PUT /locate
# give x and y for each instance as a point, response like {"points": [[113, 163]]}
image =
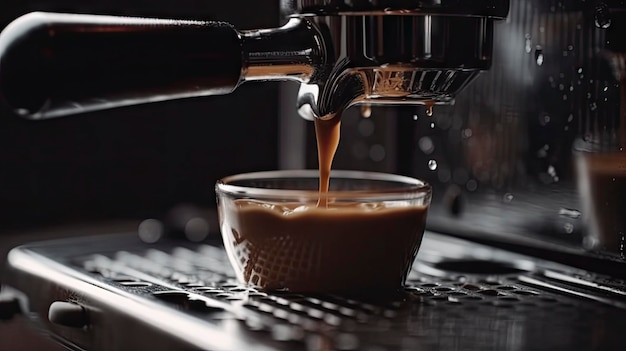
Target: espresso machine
{"points": [[510, 109], [510, 157]]}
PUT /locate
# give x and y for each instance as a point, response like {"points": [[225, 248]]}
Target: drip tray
{"points": [[474, 307], [472, 298], [474, 301], [478, 267]]}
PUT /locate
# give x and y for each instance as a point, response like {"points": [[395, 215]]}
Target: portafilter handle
{"points": [[55, 64]]}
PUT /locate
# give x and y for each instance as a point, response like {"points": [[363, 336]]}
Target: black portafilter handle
{"points": [[59, 64]]}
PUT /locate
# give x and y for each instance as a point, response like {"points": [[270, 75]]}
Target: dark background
{"points": [[139, 161]]}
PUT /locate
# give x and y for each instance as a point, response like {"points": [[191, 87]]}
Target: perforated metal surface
{"points": [[446, 305]]}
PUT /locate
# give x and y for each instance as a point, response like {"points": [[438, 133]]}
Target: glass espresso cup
{"points": [[364, 240]]}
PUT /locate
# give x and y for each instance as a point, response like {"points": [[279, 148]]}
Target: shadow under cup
{"points": [[365, 240]]}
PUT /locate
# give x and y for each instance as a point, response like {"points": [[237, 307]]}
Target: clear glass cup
{"points": [[600, 161], [364, 240]]}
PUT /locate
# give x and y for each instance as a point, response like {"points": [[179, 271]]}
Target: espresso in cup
{"points": [[363, 240], [294, 230], [343, 247]]}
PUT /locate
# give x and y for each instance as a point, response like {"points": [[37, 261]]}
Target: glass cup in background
{"points": [[601, 173], [602, 187], [364, 242]]}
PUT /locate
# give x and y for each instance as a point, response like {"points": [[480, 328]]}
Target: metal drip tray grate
{"points": [[462, 304]]}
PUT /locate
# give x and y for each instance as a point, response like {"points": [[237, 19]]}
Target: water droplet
{"points": [[366, 111], [552, 173], [580, 70], [539, 56], [508, 197], [432, 165], [570, 117], [415, 117], [432, 125], [467, 133], [602, 16], [570, 213], [551, 170], [528, 44], [590, 242], [429, 109], [568, 228], [471, 185], [593, 106], [426, 145]]}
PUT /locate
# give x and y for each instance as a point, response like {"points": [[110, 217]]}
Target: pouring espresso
{"points": [[342, 52]]}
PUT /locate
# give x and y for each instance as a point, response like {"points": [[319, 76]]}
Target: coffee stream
{"points": [[349, 249], [327, 131]]}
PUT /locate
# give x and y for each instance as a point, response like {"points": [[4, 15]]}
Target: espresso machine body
{"points": [[511, 120], [506, 157]]}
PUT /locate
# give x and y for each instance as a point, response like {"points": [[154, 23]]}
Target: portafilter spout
{"points": [[342, 52]]}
